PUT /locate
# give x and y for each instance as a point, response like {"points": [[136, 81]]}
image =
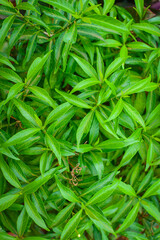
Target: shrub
{"points": [[80, 121]]}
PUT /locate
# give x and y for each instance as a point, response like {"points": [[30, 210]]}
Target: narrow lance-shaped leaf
{"points": [[30, 48], [21, 136], [76, 101], [9, 174], [126, 189], [26, 6], [86, 66], [17, 32], [66, 192], [36, 66], [103, 194], [152, 190], [153, 114], [146, 180], [116, 111], [150, 155], [63, 215], [85, 84], [43, 95], [22, 222], [10, 75], [133, 113], [33, 213], [140, 7], [107, 6], [61, 4], [99, 219], [57, 112], [107, 23], [146, 27], [7, 201], [151, 209], [84, 126], [54, 146], [5, 61], [71, 226], [39, 181], [28, 113], [105, 125], [130, 218], [114, 66], [7, 23]]}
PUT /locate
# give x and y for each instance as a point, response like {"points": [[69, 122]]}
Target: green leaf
{"points": [[130, 153], [140, 7], [21, 136], [63, 215], [126, 189], [54, 146], [152, 190], [43, 95], [97, 161], [107, 24], [130, 218], [7, 23], [30, 48], [107, 6], [17, 32], [33, 213], [6, 3], [61, 4], [99, 184], [66, 192], [150, 155], [22, 222], [155, 113], [103, 194], [26, 6], [74, 100], [137, 87], [85, 84], [28, 113], [99, 219], [57, 112], [151, 209], [37, 20], [134, 114], [14, 90], [5, 61], [146, 180], [71, 34], [105, 126], [146, 27], [10, 75], [8, 174], [3, 235], [84, 126], [86, 66], [116, 111], [114, 66], [7, 200], [134, 46], [36, 66], [39, 181], [71, 226]]}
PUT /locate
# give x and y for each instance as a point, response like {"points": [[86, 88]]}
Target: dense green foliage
{"points": [[79, 121]]}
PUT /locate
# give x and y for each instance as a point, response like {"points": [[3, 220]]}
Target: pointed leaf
{"points": [[66, 192], [71, 226]]}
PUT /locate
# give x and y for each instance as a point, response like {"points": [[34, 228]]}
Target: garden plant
{"points": [[79, 120]]}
